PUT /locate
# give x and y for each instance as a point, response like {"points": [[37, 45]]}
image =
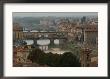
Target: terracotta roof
{"points": [[88, 27], [91, 28]]}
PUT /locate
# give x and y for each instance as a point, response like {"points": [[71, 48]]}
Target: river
{"points": [[42, 42], [43, 45]]}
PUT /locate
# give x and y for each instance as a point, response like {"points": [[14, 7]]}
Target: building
{"points": [[16, 31], [17, 27], [88, 58], [67, 27], [91, 35], [85, 57], [94, 61], [88, 34], [20, 54]]}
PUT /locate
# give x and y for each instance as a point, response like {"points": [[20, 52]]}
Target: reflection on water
{"points": [[56, 41], [44, 48], [43, 45], [41, 42]]}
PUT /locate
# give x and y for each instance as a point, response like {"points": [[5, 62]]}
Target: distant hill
{"points": [[34, 23], [26, 21]]}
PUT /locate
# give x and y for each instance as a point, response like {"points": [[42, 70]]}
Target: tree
{"points": [[69, 60], [36, 55], [52, 59], [74, 48]]}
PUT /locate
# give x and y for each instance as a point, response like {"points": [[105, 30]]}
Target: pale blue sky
{"points": [[57, 14]]}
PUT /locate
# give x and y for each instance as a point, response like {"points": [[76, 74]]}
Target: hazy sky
{"points": [[58, 14]]}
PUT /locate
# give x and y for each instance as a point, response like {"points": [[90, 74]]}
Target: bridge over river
{"points": [[30, 35]]}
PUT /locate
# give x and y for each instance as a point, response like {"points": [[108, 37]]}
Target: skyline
{"points": [[57, 14]]}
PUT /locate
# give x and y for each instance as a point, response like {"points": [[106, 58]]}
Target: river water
{"points": [[42, 42], [43, 45]]}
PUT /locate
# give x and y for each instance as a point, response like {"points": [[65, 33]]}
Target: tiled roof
{"points": [[88, 27], [91, 28]]}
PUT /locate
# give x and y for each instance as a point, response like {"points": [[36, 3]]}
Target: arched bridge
{"points": [[20, 35]]}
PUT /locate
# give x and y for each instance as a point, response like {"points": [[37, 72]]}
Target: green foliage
{"points": [[36, 55], [74, 48], [67, 59], [52, 59]]}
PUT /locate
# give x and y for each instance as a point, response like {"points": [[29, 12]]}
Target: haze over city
{"points": [[57, 14]]}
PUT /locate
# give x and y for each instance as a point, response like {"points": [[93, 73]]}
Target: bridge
{"points": [[30, 35]]}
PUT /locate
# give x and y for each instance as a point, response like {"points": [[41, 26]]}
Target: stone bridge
{"points": [[20, 35]]}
